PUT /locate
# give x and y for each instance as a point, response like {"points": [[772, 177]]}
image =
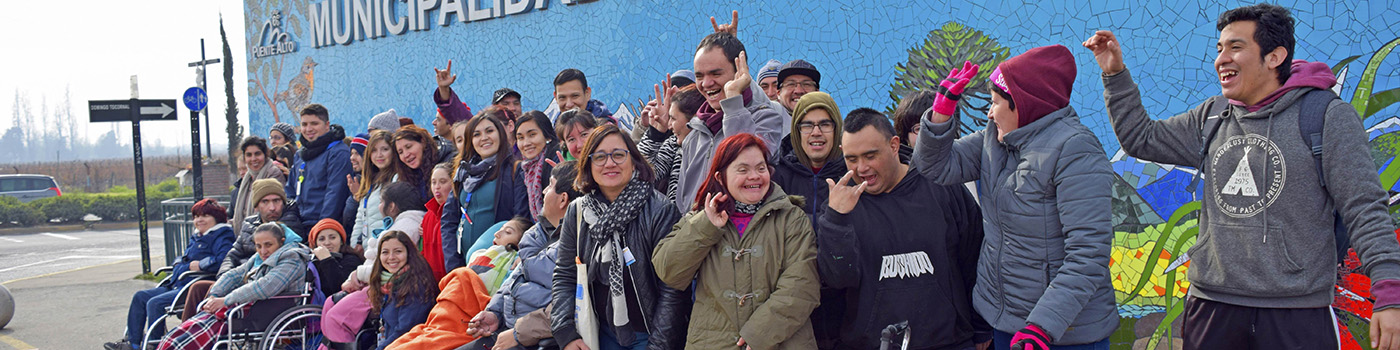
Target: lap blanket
{"points": [[463, 296]]}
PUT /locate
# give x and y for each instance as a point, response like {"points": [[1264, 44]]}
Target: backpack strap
{"points": [[1311, 120], [1210, 126]]}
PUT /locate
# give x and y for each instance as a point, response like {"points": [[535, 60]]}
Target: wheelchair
{"points": [[283, 322], [176, 306]]}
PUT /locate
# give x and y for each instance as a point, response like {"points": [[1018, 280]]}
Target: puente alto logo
{"points": [[273, 40]]}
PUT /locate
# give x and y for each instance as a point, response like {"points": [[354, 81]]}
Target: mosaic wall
{"points": [[870, 53]]}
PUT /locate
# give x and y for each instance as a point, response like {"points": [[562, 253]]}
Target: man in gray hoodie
{"points": [[1264, 264], [733, 105]]}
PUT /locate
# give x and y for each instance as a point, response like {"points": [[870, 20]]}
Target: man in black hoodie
{"points": [[915, 254]]}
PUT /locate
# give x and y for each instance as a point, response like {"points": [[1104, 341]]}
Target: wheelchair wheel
{"points": [[298, 328]]}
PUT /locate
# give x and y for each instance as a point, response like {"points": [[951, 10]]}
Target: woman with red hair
{"points": [[752, 253]]}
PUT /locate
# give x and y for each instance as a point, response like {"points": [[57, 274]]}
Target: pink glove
{"points": [[1030, 338], [951, 89]]}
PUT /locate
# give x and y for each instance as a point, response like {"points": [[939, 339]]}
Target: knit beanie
{"points": [[264, 187], [327, 224], [770, 70], [387, 121], [808, 102], [359, 143], [1039, 81], [287, 131]]}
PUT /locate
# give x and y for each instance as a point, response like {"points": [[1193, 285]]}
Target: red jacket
{"points": [[432, 239]]}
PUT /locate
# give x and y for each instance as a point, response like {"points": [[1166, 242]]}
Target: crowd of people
{"points": [[746, 211]]}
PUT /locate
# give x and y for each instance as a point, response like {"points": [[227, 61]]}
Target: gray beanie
{"points": [[387, 121], [287, 131], [770, 69]]}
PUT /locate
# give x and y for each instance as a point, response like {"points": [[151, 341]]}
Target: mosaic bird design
{"points": [[298, 93]]}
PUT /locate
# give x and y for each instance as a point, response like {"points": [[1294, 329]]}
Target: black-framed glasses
{"points": [[826, 126], [618, 156], [806, 84]]}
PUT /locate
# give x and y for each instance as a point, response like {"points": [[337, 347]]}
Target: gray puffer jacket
{"points": [[1046, 200]]}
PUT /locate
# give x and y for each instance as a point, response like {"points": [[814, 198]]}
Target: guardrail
{"points": [[178, 224]]}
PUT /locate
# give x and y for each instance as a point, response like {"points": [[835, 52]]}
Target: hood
{"points": [[1304, 74], [408, 221], [287, 251], [1040, 81], [808, 102], [216, 228]]}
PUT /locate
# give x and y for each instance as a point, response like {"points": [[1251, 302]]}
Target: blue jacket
{"points": [[511, 201], [395, 319], [322, 190], [208, 249], [528, 287]]}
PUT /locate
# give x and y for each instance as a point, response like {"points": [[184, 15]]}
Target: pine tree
{"points": [[944, 49]]}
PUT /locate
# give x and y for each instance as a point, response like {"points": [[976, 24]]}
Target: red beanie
{"points": [[1039, 81], [327, 224]]}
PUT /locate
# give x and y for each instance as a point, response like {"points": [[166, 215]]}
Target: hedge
{"points": [[72, 207]]}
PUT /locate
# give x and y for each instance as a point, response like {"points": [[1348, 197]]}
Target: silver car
{"points": [[29, 187]]}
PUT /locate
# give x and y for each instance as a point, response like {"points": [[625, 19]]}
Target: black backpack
{"points": [[1310, 124]]}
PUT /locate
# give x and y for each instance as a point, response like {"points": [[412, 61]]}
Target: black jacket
{"points": [[665, 311], [914, 258], [797, 179]]}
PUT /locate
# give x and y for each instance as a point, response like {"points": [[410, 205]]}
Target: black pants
{"points": [[1211, 325]]}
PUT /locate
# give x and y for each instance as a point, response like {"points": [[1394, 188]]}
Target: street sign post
{"points": [[135, 111], [196, 100]]}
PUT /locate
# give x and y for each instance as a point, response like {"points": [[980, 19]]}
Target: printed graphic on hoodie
{"points": [[907, 265], [1249, 172]]}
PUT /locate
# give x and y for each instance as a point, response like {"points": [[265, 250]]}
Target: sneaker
{"points": [[118, 345]]}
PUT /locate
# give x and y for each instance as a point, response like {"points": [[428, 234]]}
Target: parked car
{"points": [[29, 187]]}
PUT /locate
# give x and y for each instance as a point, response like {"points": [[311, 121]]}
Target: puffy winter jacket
{"points": [[1047, 195], [368, 218], [528, 288], [760, 287], [208, 248], [665, 311]]}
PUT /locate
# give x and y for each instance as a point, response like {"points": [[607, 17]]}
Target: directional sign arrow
{"points": [[160, 111]]}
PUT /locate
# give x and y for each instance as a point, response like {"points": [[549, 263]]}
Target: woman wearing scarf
{"points": [[402, 289], [416, 151], [278, 268], [613, 229], [486, 187], [256, 157], [752, 253], [538, 145]]}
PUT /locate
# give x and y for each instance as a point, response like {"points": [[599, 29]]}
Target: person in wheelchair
{"points": [[212, 239], [279, 268]]}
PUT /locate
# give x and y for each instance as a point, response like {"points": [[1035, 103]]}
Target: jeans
{"points": [[607, 341], [147, 307], [1002, 341]]}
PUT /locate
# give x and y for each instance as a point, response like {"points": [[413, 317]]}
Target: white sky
{"points": [[93, 47]]}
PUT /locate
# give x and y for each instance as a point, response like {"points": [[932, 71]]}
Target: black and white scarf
{"points": [[606, 227]]}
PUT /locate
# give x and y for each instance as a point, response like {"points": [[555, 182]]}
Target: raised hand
{"points": [[950, 90], [712, 202], [741, 76], [445, 78], [351, 183], [732, 27], [1106, 51], [842, 197]]}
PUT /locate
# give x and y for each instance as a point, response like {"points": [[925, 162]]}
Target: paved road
{"points": [[72, 289], [25, 256]]}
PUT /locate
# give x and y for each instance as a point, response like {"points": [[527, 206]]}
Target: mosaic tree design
{"points": [[944, 49]]}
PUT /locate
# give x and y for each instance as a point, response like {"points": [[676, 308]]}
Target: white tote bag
{"points": [[584, 317]]}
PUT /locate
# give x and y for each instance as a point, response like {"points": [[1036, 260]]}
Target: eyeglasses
{"points": [[826, 126], [617, 156], [806, 84]]}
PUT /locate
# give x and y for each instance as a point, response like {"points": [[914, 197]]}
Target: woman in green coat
{"points": [[752, 252]]}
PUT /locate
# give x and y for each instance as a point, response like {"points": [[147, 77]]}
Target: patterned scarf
{"points": [[606, 230], [471, 174], [746, 208], [533, 168]]}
